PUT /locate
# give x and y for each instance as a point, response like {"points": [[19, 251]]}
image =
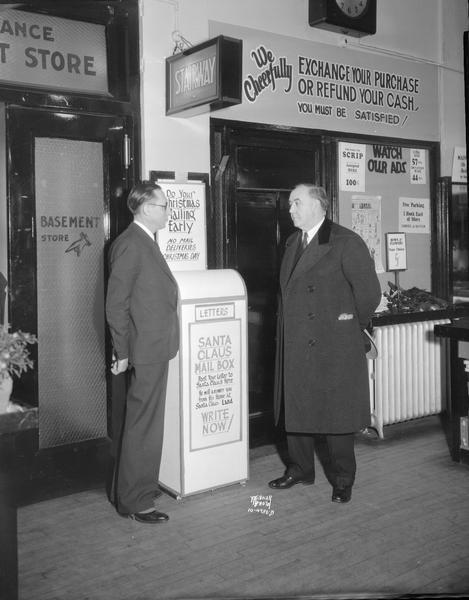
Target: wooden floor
{"points": [[406, 531]]}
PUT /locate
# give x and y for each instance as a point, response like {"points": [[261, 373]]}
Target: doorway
{"points": [[250, 224], [66, 188]]}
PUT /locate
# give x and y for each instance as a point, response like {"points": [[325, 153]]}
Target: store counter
{"points": [[11, 426], [458, 406]]}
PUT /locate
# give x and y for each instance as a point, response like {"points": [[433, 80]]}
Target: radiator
{"points": [[408, 377]]}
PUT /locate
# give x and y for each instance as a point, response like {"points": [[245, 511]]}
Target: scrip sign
{"points": [[204, 77]]}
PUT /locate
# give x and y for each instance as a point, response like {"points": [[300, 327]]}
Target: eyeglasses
{"points": [[165, 206]]}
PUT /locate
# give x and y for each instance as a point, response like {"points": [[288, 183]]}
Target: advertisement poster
{"points": [[215, 377], [459, 172], [366, 221], [414, 215], [396, 252], [418, 173], [183, 241], [70, 237], [352, 167]]}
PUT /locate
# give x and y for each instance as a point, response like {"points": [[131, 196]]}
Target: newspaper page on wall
{"points": [[366, 221]]}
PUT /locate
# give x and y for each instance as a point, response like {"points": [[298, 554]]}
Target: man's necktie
{"points": [[301, 246]]}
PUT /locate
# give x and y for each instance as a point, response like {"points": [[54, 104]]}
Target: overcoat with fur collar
{"points": [[326, 300]]}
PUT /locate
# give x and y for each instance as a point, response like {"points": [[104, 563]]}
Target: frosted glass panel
{"points": [[70, 288]]}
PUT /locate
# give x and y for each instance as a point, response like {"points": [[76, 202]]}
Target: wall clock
{"points": [[350, 17]]}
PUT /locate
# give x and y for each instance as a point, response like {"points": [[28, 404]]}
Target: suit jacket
{"points": [[141, 300], [326, 301]]}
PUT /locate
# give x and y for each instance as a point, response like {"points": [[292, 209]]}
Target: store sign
{"points": [[295, 82], [39, 50], [207, 76]]}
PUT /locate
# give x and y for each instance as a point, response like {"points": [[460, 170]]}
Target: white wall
{"points": [[3, 209], [452, 120], [421, 30]]}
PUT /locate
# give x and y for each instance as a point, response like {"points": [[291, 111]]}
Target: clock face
{"points": [[352, 8]]}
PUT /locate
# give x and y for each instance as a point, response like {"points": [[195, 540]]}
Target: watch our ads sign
{"points": [[215, 376]]}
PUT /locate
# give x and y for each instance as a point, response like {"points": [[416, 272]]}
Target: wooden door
{"points": [[252, 212]]}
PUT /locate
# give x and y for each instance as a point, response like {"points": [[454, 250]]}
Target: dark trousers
{"points": [[139, 439], [336, 452]]}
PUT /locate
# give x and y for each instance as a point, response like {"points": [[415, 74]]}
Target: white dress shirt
{"points": [[145, 228], [312, 232]]}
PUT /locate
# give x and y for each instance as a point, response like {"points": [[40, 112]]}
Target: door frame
{"points": [[22, 126], [224, 136]]}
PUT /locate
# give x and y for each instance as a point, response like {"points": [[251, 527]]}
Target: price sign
{"points": [[352, 167], [418, 174]]}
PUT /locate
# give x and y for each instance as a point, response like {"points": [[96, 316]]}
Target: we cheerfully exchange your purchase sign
{"points": [[39, 50], [296, 82]]}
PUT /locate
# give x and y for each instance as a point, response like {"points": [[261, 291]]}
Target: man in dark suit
{"points": [[328, 293], [141, 310]]}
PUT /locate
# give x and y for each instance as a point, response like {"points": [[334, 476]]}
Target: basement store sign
{"points": [[39, 50]]}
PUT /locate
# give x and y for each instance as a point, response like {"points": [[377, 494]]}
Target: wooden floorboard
{"points": [[406, 531]]}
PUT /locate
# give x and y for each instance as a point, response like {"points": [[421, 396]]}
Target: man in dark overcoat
{"points": [[141, 310], [328, 293]]}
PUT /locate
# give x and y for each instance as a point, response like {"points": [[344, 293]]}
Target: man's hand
{"points": [[119, 366]]}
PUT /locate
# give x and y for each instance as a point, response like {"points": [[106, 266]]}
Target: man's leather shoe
{"points": [[287, 481], [151, 518], [341, 495]]}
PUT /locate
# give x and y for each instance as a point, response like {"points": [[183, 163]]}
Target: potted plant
{"points": [[14, 360]]}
